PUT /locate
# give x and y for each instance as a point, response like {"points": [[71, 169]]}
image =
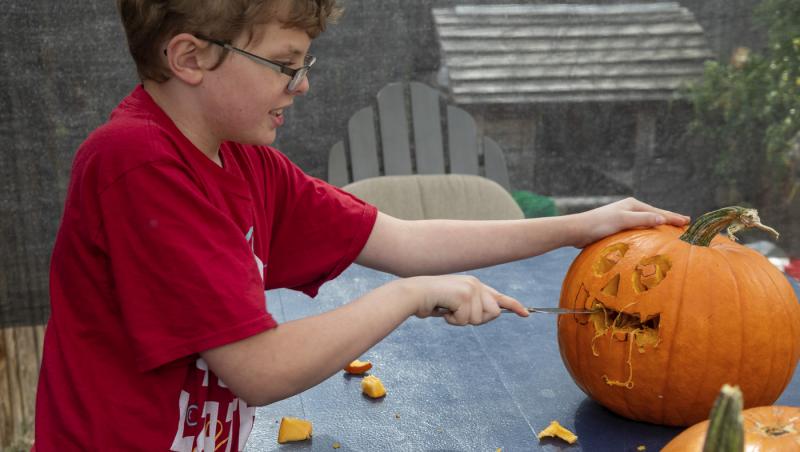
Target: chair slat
{"points": [[494, 163], [426, 117], [394, 130], [337, 166], [363, 144], [463, 141]]}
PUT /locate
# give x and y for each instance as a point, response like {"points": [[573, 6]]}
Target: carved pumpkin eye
{"points": [[609, 258], [612, 288], [650, 272]]}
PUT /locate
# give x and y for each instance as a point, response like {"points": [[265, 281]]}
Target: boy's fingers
{"points": [[510, 303], [506, 302], [669, 216], [642, 219], [489, 307]]}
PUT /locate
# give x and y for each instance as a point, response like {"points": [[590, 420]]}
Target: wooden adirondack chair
{"points": [[395, 151]]}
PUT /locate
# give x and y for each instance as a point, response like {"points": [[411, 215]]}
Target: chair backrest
{"points": [[444, 196], [420, 149]]}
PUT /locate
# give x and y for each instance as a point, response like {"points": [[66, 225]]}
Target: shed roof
{"points": [[501, 54]]}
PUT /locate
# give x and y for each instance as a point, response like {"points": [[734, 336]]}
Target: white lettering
{"points": [[181, 443], [202, 365], [247, 416], [206, 440]]}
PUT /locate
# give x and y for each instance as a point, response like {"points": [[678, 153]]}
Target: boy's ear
{"points": [[188, 57]]}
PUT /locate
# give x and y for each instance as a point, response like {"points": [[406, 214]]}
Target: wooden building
{"points": [[579, 96]]}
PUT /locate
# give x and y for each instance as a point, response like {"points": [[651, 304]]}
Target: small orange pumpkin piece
{"points": [[558, 431], [358, 367], [372, 386], [293, 429]]}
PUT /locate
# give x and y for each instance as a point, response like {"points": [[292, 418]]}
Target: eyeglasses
{"points": [[297, 75]]}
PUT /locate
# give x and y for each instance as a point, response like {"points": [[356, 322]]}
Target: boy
{"points": [[178, 216]]}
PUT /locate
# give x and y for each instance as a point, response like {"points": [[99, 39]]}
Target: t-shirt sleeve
{"points": [[184, 275], [320, 230]]}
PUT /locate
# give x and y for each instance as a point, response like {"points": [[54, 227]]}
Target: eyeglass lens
{"points": [[297, 79]]}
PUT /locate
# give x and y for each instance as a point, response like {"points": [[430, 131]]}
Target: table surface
{"points": [[458, 388]]}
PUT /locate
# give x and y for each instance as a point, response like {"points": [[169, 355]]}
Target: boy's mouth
{"points": [[277, 117]]}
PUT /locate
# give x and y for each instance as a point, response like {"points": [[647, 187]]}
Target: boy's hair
{"points": [[150, 23]]}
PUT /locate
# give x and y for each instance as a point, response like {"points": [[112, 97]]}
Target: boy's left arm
{"points": [[428, 247]]}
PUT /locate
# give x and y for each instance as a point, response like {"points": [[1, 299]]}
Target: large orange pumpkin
{"points": [[679, 312]]}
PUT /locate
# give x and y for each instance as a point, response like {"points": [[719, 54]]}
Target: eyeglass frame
{"points": [[297, 75]]}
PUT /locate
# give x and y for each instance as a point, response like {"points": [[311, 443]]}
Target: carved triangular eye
{"points": [[612, 287], [650, 272], [609, 257]]}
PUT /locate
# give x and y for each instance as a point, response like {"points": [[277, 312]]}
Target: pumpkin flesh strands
{"points": [[632, 329], [726, 423], [733, 219]]}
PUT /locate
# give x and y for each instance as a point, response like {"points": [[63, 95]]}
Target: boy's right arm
{"points": [[297, 355]]}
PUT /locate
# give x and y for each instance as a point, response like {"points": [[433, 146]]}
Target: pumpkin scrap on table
{"points": [[293, 429], [357, 367], [676, 313], [372, 386], [558, 431]]}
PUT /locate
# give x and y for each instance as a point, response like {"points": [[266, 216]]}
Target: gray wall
{"points": [[64, 66]]}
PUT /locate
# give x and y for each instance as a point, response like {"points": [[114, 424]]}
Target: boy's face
{"points": [[245, 100]]}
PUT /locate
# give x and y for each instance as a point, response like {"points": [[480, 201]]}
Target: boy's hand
{"points": [[461, 300], [625, 214]]}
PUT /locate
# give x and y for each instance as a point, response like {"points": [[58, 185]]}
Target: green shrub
{"points": [[748, 111], [534, 205]]}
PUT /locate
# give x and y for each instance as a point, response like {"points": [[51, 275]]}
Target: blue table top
{"points": [[458, 388]]}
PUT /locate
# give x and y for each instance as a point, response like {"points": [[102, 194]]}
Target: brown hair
{"points": [[149, 23]]}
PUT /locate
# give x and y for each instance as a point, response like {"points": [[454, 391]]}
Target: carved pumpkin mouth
{"points": [[624, 327]]}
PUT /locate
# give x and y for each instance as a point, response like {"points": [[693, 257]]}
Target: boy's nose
{"points": [[301, 89]]}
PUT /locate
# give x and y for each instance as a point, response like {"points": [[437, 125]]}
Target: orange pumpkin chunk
{"points": [[558, 431], [372, 386], [293, 429], [358, 367]]}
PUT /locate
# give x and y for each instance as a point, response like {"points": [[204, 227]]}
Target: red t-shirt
{"points": [[162, 254]]}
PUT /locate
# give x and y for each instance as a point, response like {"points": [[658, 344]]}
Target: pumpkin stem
{"points": [[725, 429], [734, 219]]}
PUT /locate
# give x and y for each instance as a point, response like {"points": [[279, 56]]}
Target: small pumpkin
{"points": [[373, 387], [293, 429], [357, 367], [729, 429], [678, 312]]}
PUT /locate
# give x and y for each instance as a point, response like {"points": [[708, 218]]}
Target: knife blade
{"points": [[558, 311], [532, 310]]}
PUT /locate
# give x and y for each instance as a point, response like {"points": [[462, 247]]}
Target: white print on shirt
{"points": [[249, 238], [210, 432]]}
